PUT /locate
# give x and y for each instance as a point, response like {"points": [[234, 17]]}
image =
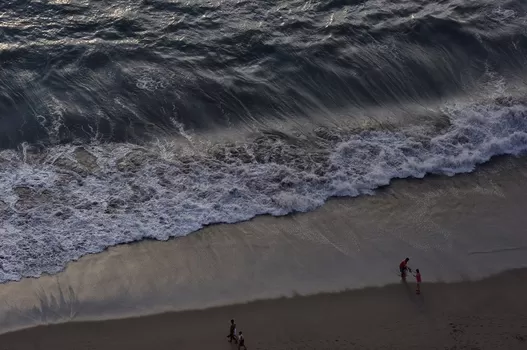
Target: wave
{"points": [[60, 203], [103, 108], [121, 72]]}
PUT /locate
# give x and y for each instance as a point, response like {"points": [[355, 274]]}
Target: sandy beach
{"points": [[489, 314], [459, 231], [168, 165]]}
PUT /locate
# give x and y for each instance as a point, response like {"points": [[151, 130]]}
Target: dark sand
{"points": [[488, 314]]}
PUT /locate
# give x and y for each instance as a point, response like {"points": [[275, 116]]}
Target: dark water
{"points": [[110, 111], [127, 71]]}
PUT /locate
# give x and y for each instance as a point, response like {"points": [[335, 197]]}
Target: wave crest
{"points": [[61, 203]]}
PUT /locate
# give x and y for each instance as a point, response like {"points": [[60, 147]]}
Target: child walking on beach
{"points": [[418, 281], [241, 341]]}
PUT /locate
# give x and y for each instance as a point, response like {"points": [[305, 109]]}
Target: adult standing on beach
{"points": [[403, 267]]}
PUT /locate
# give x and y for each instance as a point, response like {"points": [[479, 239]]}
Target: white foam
{"points": [[68, 215]]}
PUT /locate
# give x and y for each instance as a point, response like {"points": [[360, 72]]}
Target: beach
{"points": [[279, 266], [168, 165], [488, 314]]}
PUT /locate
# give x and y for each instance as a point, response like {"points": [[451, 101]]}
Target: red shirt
{"points": [[402, 265], [418, 278]]}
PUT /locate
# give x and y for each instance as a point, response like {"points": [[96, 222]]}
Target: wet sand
{"points": [[489, 314], [463, 228]]}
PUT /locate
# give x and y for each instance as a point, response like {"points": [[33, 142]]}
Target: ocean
{"points": [[129, 120]]}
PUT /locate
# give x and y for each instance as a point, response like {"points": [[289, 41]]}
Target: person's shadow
{"points": [[416, 299]]}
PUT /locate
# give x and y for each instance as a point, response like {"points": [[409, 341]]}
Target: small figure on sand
{"points": [[232, 332], [241, 341], [403, 268], [418, 281]]}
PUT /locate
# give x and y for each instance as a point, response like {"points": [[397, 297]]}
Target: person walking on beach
{"points": [[241, 341], [418, 281], [403, 267], [232, 332]]}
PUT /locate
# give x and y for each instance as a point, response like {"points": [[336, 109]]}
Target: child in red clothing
{"points": [[418, 281]]}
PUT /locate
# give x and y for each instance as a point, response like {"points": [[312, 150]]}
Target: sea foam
{"points": [[67, 201]]}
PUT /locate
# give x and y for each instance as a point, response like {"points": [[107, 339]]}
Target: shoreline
{"points": [[486, 314], [458, 228]]}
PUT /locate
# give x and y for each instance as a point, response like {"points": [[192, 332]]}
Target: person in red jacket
{"points": [[403, 267]]}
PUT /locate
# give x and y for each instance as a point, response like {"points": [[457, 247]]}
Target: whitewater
{"points": [[68, 201], [129, 120]]}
